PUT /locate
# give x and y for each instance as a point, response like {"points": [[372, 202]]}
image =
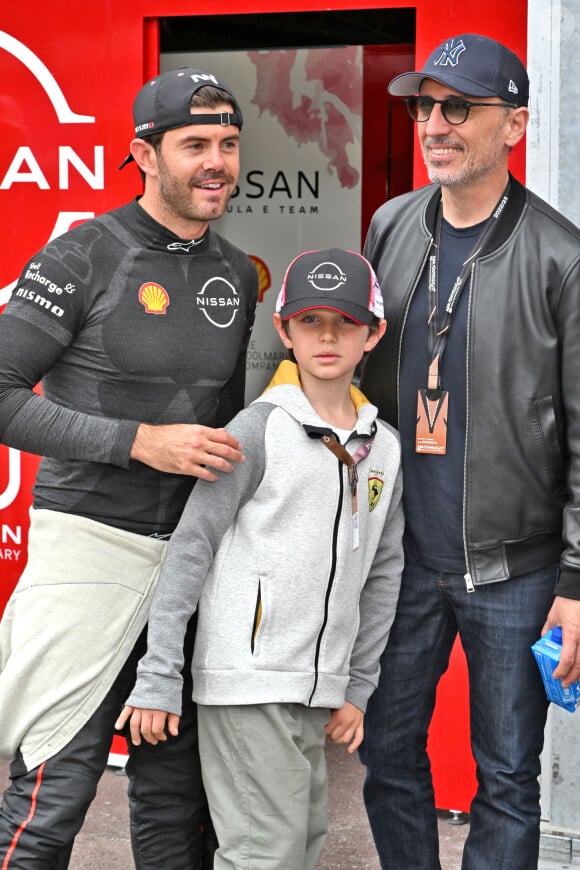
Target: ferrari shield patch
{"points": [[375, 489]]}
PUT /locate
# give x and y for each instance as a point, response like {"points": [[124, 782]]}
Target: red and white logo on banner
{"points": [[51, 170], [9, 477], [48, 160], [14, 504]]}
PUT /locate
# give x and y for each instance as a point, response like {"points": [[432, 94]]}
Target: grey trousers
{"points": [[264, 773]]}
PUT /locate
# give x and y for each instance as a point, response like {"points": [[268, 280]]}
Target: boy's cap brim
{"points": [[353, 311]]}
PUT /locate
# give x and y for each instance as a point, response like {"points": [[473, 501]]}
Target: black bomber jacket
{"points": [[521, 506]]}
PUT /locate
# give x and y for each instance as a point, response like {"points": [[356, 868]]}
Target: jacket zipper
{"points": [[468, 578], [330, 579], [257, 617]]}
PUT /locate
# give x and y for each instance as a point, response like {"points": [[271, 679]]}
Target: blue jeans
{"points": [[497, 624]]}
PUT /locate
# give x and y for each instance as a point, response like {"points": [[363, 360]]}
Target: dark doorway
{"points": [[388, 37], [287, 30]]}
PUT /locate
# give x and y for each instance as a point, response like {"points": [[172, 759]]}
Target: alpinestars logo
{"points": [[185, 246], [450, 53]]}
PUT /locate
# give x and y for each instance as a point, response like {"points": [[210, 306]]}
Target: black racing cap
{"points": [[475, 65], [340, 280], [164, 103]]}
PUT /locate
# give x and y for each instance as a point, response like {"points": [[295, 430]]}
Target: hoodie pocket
{"points": [[257, 617]]}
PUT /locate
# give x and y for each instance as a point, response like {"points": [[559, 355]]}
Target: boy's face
{"points": [[327, 344]]}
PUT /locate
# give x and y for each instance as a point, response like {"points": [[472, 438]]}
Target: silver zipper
{"points": [[468, 578]]}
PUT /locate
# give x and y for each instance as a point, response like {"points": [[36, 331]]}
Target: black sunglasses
{"points": [[455, 110]]}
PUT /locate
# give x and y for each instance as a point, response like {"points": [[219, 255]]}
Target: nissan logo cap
{"points": [[475, 65], [164, 103], [340, 280]]}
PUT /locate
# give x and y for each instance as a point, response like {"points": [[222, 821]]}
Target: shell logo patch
{"points": [[375, 489], [153, 298], [264, 276]]}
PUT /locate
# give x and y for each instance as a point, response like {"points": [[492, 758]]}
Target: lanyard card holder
{"points": [[432, 410]]}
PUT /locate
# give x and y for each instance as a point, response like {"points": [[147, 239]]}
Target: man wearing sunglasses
{"points": [[480, 371]]}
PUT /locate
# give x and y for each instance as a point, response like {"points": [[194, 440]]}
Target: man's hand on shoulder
{"points": [[185, 448]]}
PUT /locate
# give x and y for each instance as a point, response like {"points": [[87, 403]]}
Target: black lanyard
{"points": [[439, 322]]}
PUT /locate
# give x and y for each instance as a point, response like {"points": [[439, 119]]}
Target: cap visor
{"points": [[349, 309], [408, 84]]}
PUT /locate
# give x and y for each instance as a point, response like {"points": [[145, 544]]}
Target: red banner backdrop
{"points": [[73, 70]]}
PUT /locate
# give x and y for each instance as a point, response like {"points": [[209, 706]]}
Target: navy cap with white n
{"points": [[340, 280], [164, 103], [475, 65]]}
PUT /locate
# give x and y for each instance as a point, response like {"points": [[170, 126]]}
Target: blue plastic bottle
{"points": [[547, 651]]}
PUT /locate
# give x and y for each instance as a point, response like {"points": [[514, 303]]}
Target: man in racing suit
{"points": [[136, 325]]}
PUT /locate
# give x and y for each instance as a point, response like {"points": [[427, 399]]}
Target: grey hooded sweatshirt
{"points": [[289, 609]]}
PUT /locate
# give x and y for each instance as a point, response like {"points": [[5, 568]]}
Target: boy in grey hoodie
{"points": [[293, 563]]}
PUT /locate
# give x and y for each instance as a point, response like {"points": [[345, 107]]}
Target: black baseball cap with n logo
{"points": [[164, 103], [475, 65]]}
